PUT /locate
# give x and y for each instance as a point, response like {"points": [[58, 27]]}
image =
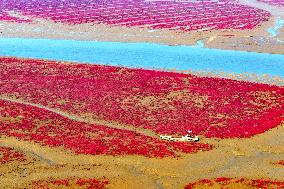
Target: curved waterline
{"points": [[146, 55]]}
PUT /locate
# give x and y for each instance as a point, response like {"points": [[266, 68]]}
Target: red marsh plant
{"points": [[49, 128], [164, 102], [83, 183], [9, 155], [185, 16], [243, 183]]}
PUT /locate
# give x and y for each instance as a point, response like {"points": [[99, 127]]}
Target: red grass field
{"points": [[166, 103], [153, 14], [39, 125], [83, 183], [236, 183], [8, 155]]}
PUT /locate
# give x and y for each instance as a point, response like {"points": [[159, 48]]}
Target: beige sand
{"points": [[249, 158], [248, 40]]}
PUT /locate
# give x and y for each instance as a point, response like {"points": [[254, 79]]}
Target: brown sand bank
{"points": [[251, 158]]}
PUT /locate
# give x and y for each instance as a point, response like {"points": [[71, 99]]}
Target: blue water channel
{"points": [[145, 55]]}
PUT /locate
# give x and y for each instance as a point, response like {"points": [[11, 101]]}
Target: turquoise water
{"points": [[145, 55], [274, 31], [199, 44]]}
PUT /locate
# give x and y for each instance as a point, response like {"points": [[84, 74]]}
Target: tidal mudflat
{"points": [[141, 94]]}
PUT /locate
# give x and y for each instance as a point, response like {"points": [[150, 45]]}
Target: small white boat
{"points": [[186, 138]]}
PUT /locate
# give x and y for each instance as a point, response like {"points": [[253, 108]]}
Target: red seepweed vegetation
{"points": [[88, 183], [281, 162], [167, 103], [51, 129], [169, 14], [236, 183], [9, 155]]}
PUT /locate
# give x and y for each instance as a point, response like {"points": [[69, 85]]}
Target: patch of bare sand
{"points": [[281, 35], [249, 158], [274, 10], [256, 40], [165, 101], [223, 39]]}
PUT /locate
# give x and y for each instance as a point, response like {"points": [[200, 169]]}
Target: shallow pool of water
{"points": [[274, 31]]}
